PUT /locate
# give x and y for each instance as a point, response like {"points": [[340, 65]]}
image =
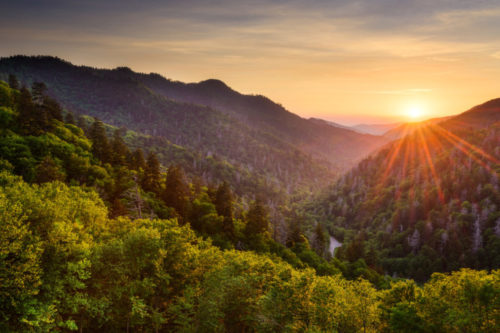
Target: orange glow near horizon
{"points": [[348, 62]]}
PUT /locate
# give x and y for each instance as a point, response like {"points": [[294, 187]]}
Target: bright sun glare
{"points": [[414, 112]]}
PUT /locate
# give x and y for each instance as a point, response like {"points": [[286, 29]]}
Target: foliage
{"points": [[66, 266], [124, 246], [428, 202]]}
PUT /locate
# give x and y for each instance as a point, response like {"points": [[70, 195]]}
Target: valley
{"points": [[122, 190]]}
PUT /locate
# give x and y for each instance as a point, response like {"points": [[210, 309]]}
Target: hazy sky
{"points": [[347, 61]]}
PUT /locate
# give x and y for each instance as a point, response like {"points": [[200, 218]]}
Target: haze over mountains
{"points": [[158, 106], [373, 129], [103, 239], [160, 170], [253, 143]]}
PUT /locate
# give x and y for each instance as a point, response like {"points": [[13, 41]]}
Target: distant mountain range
{"points": [[373, 129], [188, 114]]}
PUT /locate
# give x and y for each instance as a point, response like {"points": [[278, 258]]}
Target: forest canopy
{"points": [[99, 236]]}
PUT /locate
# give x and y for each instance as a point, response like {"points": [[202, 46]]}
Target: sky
{"points": [[350, 61]]}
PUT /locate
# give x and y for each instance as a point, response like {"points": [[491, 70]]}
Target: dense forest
{"points": [[209, 144], [106, 229], [428, 202], [67, 266]]}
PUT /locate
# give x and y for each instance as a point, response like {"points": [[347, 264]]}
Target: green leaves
{"points": [[66, 266]]}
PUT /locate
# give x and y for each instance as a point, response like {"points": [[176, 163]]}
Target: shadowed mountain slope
{"points": [[120, 98], [158, 106]]}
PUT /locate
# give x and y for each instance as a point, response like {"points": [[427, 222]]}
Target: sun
{"points": [[414, 112]]}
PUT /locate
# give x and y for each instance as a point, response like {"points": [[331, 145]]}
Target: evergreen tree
{"points": [[151, 177], [13, 82], [295, 234], [52, 108], [319, 239], [196, 186], [119, 149], [224, 206], [31, 121], [122, 183], [257, 219], [136, 160], [176, 190], [100, 144]]}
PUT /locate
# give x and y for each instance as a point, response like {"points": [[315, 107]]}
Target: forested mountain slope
{"points": [[188, 114], [97, 237], [67, 267], [216, 146], [340, 146], [428, 202], [42, 146], [39, 144]]}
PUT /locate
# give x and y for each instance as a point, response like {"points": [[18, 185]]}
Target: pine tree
{"points": [[52, 108], [119, 149], [100, 144], [295, 234], [82, 123], [224, 206], [151, 177], [319, 239], [31, 121], [257, 219], [196, 186], [136, 160], [176, 190]]}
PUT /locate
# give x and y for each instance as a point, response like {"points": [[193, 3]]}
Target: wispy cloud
{"points": [[311, 55]]}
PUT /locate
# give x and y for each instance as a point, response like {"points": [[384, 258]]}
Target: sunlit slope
{"points": [[428, 202]]}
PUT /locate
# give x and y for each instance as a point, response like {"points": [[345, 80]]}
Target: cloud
{"points": [[313, 28], [312, 55]]}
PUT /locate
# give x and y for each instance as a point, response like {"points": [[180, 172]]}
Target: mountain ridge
{"points": [[424, 203], [340, 147]]}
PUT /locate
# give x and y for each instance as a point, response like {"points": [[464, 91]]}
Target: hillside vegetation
{"points": [[96, 235], [207, 116], [427, 202]]}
